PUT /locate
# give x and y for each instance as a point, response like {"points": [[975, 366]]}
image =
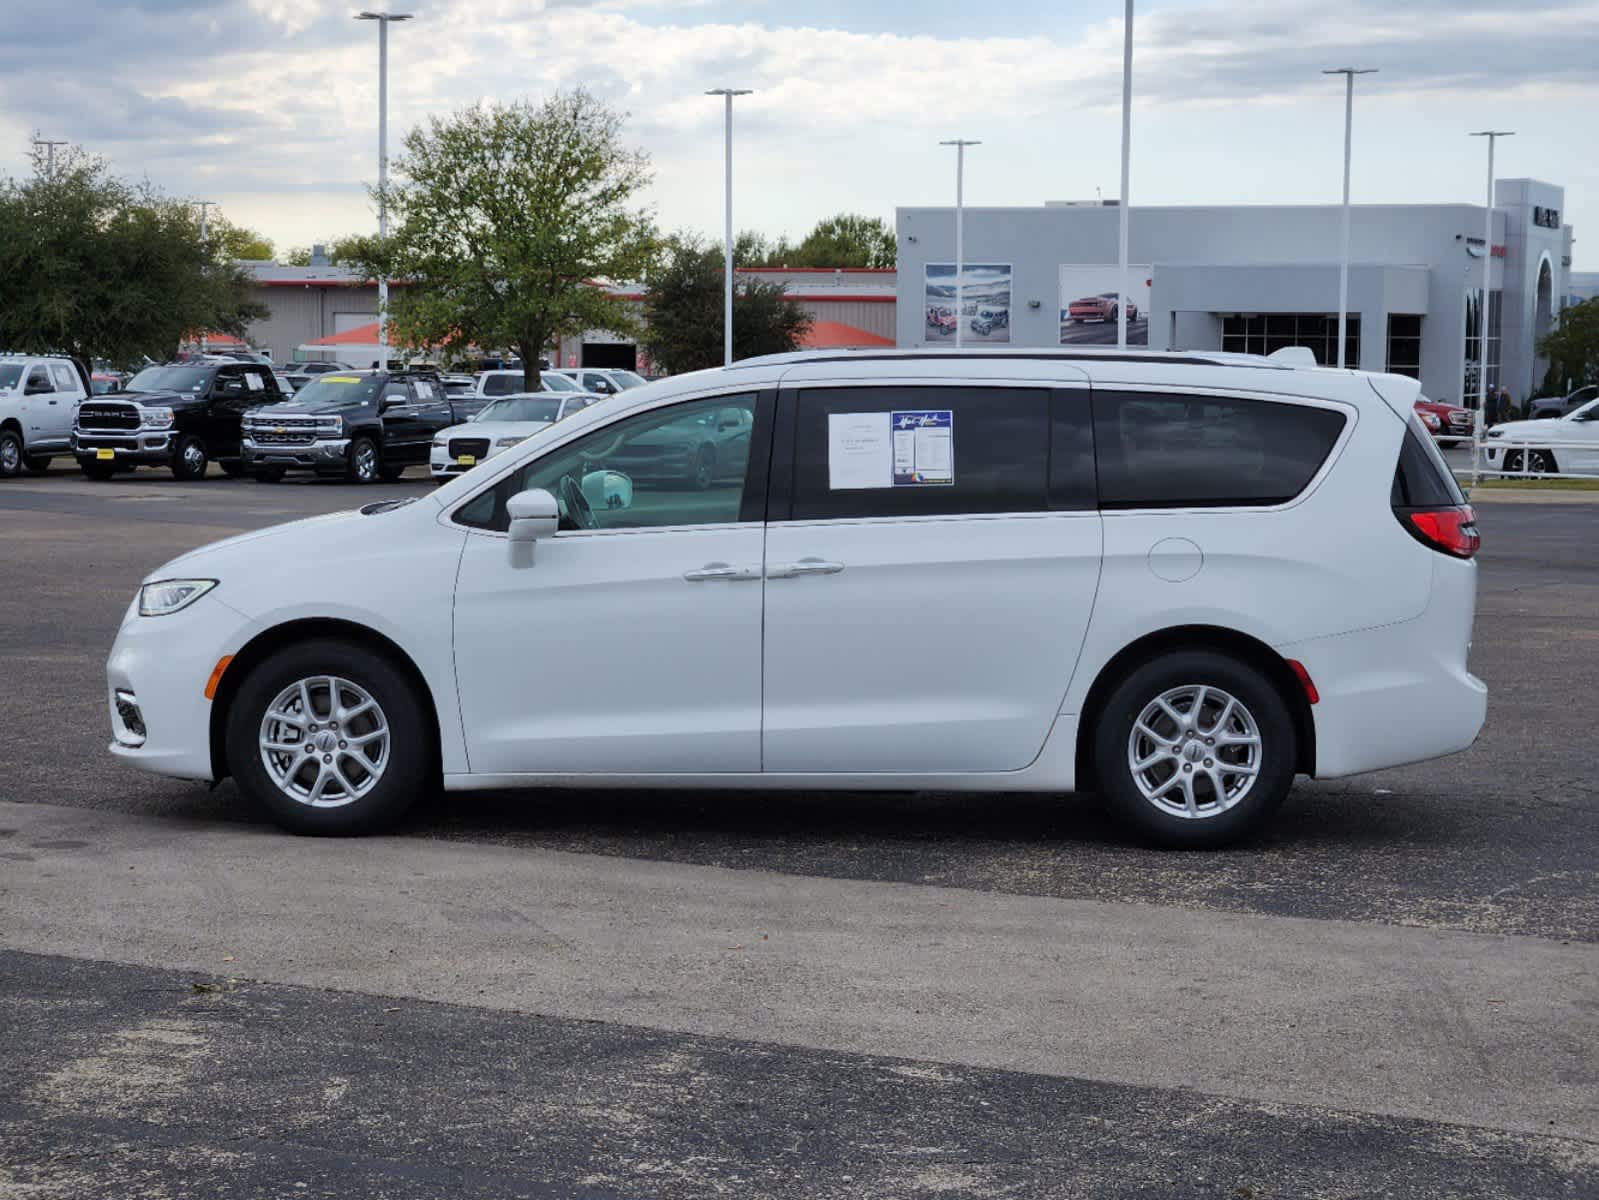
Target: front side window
{"points": [[681, 465], [920, 451], [1159, 450], [39, 380]]}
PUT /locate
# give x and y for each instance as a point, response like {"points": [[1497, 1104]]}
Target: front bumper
{"points": [[155, 685], [443, 466], [137, 447], [328, 454]]}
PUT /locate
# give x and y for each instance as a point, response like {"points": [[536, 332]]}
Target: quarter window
{"points": [[997, 449], [1184, 451], [681, 465]]}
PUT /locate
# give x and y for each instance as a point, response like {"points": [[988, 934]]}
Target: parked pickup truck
{"points": [[361, 425]]}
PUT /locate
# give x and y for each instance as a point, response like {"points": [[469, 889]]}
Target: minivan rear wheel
{"points": [[1195, 749], [329, 737]]}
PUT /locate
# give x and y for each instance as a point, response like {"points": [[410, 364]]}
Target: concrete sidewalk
{"points": [[1490, 1031]]}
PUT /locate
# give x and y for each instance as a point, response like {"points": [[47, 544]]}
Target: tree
{"points": [[848, 240], [1573, 348], [507, 222], [240, 243], [684, 307], [340, 252], [96, 268]]}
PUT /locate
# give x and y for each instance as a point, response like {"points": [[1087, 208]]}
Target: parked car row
{"points": [[1546, 445]]}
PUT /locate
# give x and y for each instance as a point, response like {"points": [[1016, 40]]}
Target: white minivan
{"points": [[1176, 579]]}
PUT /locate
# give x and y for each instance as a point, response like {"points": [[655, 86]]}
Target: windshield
{"points": [[1588, 412], [171, 379], [521, 408], [628, 379], [10, 374], [557, 383], [337, 391]]}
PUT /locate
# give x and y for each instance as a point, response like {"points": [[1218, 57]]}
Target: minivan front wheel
{"points": [[329, 737], [1195, 749]]}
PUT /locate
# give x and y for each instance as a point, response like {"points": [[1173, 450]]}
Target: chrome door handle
{"points": [[805, 566], [721, 570]]}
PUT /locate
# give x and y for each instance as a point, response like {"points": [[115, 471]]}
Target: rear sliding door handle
{"points": [[721, 570], [805, 566]]}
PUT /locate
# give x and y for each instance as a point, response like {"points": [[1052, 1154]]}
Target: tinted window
{"points": [[997, 449], [39, 380], [1179, 451], [1423, 479], [682, 465], [502, 385]]}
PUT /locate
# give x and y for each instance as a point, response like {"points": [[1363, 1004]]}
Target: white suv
{"points": [[1178, 579], [39, 398]]}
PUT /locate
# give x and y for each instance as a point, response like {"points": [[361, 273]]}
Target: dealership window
{"points": [[1266, 333], [1469, 382], [1404, 344]]}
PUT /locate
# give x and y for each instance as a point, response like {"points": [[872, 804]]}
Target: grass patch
{"points": [[1542, 485]]}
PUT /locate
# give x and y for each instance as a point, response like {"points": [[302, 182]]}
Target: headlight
{"points": [[1493, 433], [507, 443], [168, 596], [330, 425], [155, 418], [440, 442]]}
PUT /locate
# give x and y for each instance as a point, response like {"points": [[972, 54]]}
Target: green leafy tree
{"points": [[683, 311], [238, 242], [94, 267], [752, 249], [847, 240], [506, 221], [340, 251], [1572, 348]]}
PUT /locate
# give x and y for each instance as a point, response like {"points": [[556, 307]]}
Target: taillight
{"points": [[1448, 530]]}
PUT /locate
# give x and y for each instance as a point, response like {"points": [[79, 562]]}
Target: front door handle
{"points": [[721, 570], [805, 566]]}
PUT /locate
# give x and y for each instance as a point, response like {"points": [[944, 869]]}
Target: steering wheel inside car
{"points": [[576, 505]]}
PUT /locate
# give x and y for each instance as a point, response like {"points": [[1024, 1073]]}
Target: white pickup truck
{"points": [[39, 398]]}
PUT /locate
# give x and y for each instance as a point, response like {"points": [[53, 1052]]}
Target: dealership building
{"points": [[1254, 279]]}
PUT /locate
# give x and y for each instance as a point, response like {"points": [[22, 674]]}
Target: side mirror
{"points": [[534, 515]]}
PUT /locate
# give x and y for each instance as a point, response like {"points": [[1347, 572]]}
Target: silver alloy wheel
{"points": [[366, 462], [193, 456], [1194, 751], [10, 455], [324, 741]]}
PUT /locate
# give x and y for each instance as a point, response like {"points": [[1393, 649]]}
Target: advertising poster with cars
{"points": [[985, 304], [1089, 300]]}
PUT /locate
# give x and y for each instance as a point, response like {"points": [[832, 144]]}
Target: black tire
{"points": [[97, 470], [389, 472], [189, 458], [1540, 462], [1113, 741], [11, 454], [364, 463], [233, 468], [704, 473], [37, 464], [268, 474], [408, 763]]}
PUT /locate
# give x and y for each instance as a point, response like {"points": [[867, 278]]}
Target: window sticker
{"points": [[924, 447], [254, 380], [424, 389], [905, 448]]}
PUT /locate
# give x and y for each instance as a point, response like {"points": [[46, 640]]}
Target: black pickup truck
{"points": [[360, 425], [180, 416]]}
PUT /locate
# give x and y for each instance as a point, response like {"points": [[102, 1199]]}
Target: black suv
{"points": [[179, 416], [362, 425]]}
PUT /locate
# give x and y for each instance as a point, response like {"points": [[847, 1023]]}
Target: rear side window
{"points": [[1170, 450], [1423, 479], [503, 385], [920, 451]]}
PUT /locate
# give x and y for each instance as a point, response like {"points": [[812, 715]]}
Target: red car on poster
{"points": [[1098, 308], [941, 320]]}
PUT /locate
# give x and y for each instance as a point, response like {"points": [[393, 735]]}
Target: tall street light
{"points": [[727, 239], [1349, 74], [960, 145], [383, 19], [49, 155], [1493, 135], [1127, 137], [204, 205]]}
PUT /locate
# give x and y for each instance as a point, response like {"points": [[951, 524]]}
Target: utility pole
{"points": [[204, 242], [1127, 139], [49, 155], [727, 236], [1349, 74], [960, 145], [1477, 426], [383, 19]]}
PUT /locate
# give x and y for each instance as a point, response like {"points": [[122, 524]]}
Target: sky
{"points": [[269, 107]]}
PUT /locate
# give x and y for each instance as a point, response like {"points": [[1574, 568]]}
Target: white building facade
{"points": [[1256, 278]]}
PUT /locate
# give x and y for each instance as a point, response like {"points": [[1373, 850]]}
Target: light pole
{"points": [[960, 145], [1349, 74], [204, 205], [383, 19], [727, 237], [1127, 137], [49, 155], [1492, 135]]}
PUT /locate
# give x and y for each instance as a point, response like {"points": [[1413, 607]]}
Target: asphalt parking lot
{"points": [[625, 993]]}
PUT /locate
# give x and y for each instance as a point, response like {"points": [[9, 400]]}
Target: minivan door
{"points": [[630, 640], [930, 581]]}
